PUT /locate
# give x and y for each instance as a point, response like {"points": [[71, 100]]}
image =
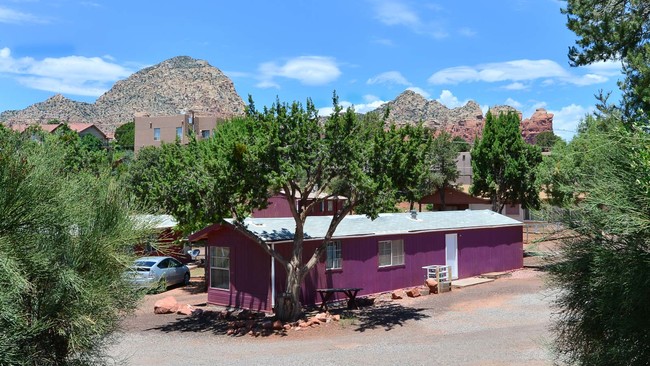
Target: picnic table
{"points": [[327, 293]]}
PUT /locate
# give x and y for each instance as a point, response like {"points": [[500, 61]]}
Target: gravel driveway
{"points": [[504, 322]]}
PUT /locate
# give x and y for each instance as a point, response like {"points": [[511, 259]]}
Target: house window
{"points": [[334, 260], [156, 134], [205, 134], [179, 133], [391, 253], [220, 267], [330, 206]]}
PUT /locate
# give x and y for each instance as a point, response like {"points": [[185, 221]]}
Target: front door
{"points": [[451, 253]]}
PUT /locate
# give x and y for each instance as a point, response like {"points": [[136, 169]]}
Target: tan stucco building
{"points": [[152, 131]]}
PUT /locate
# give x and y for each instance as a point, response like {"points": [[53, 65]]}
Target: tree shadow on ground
{"points": [[216, 323], [386, 316], [195, 287]]}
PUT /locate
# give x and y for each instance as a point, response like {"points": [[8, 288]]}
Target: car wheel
{"points": [[186, 279]]}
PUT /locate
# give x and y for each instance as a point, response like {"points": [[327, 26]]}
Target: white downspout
{"points": [[272, 278]]}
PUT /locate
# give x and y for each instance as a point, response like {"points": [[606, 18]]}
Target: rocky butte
{"points": [[180, 83], [466, 121]]}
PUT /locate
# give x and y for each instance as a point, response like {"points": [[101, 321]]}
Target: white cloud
{"points": [[519, 71], [9, 16], [78, 75], [369, 98], [513, 103], [384, 42], [359, 108], [566, 120], [467, 32], [606, 68], [396, 13], [516, 86], [308, 70], [389, 77], [450, 100], [516, 70], [420, 91]]}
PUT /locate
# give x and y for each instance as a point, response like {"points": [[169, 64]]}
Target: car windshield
{"points": [[144, 263]]}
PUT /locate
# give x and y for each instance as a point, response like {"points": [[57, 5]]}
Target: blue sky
{"points": [[494, 52]]}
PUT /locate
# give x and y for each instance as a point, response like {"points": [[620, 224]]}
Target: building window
{"points": [[330, 206], [156, 134], [179, 133], [391, 253], [220, 267], [334, 260], [205, 134]]}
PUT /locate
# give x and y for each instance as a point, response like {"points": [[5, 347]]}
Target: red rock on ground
{"points": [[414, 292], [395, 295], [432, 284], [166, 305], [185, 309], [277, 325]]}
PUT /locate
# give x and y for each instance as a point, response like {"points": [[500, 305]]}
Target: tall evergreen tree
{"points": [[503, 165], [615, 30], [603, 270], [65, 239]]}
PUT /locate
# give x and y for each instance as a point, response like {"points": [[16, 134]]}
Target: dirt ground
{"points": [[505, 322]]}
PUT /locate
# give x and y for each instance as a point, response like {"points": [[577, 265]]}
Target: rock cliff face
{"points": [[540, 121], [466, 121], [174, 85]]}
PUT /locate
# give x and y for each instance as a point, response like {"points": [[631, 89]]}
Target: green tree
{"points": [[346, 156], [284, 149], [603, 271], [410, 161], [125, 136], [546, 140], [615, 30], [461, 144], [442, 158], [64, 245], [173, 179], [503, 165]]}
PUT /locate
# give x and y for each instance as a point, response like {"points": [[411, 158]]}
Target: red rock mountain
{"points": [[466, 121]]}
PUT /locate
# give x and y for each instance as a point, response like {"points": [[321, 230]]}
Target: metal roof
{"points": [[155, 221], [282, 229]]}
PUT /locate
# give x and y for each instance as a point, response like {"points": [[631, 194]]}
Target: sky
{"points": [[369, 51]]}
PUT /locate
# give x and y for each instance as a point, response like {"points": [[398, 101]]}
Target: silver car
{"points": [[150, 271]]}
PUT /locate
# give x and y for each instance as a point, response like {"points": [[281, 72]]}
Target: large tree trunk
{"points": [[495, 203], [289, 309]]}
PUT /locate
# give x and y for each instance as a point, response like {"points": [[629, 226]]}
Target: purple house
{"points": [[279, 206], [378, 255]]}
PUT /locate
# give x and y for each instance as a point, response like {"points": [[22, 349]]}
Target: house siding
{"points": [[250, 272], [479, 251]]}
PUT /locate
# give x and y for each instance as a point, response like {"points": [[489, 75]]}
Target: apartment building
{"points": [[154, 130]]}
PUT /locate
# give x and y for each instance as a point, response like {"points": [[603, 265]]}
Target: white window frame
{"points": [[390, 253], [334, 259], [216, 265], [156, 134], [330, 205]]}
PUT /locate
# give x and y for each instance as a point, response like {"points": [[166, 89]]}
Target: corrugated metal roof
{"points": [[155, 221], [281, 229]]}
